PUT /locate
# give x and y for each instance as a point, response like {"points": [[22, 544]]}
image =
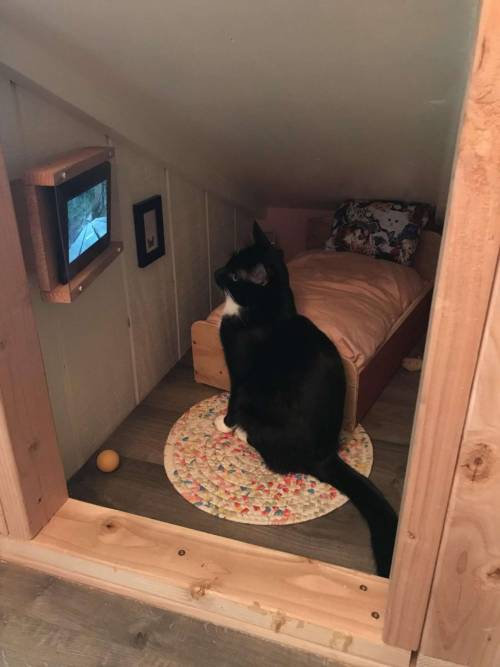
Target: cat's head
{"points": [[255, 275]]}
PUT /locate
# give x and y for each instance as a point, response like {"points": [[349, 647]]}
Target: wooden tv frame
{"points": [[443, 588], [38, 183]]}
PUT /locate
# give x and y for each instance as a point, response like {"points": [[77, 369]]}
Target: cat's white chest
{"points": [[231, 308]]}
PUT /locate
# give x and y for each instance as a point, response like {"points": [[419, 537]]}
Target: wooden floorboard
{"points": [[47, 622], [391, 417], [140, 485]]}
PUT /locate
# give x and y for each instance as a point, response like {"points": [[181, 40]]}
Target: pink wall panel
{"points": [[290, 227]]}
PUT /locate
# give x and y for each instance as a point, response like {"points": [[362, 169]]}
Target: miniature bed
{"points": [[373, 310]]}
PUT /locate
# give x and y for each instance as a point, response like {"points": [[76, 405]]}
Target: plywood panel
{"points": [[150, 290], [221, 237], [95, 347], [191, 254], [244, 221], [48, 131], [464, 282], [463, 621], [86, 345]]}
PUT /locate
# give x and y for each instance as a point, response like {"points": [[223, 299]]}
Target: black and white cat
{"points": [[288, 385]]}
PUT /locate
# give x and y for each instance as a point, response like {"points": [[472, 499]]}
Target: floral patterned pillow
{"points": [[383, 229]]}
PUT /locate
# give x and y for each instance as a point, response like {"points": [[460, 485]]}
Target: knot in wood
{"points": [[478, 462]]}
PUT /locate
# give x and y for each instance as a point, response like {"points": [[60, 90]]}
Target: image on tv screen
{"points": [[87, 219]]}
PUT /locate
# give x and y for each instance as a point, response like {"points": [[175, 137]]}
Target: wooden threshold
{"points": [[333, 611]]}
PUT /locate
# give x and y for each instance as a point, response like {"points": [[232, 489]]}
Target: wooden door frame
{"points": [[307, 604], [464, 284]]}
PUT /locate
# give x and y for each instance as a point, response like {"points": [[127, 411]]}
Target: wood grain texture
{"points": [[463, 621], [257, 590], [464, 283], [3, 523], [17, 189], [221, 239], [41, 212], [63, 167], [422, 660], [209, 363], [44, 618], [190, 248], [74, 288], [32, 485], [140, 486]]}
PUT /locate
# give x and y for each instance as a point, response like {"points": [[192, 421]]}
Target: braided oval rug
{"points": [[222, 475]]}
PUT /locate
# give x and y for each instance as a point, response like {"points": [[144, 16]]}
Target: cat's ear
{"points": [[259, 237]]}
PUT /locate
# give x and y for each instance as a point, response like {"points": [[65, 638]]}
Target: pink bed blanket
{"points": [[354, 299]]}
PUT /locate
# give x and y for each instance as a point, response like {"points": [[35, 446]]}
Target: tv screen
{"points": [[83, 208], [87, 219]]}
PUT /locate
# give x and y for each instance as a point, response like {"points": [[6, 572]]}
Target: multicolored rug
{"points": [[221, 475]]}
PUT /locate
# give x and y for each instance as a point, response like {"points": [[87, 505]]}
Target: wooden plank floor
{"points": [[140, 485], [47, 622]]}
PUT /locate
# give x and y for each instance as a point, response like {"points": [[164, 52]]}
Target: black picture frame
{"points": [[149, 233]]}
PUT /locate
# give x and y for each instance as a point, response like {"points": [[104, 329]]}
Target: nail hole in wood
{"points": [[181, 552], [39, 500], [363, 587], [34, 446], [375, 614]]}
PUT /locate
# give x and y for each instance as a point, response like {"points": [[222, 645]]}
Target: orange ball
{"points": [[108, 460]]}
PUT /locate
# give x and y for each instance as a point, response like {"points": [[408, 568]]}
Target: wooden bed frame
{"points": [[442, 598], [363, 387]]}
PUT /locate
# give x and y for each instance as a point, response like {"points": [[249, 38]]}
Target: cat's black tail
{"points": [[370, 502]]}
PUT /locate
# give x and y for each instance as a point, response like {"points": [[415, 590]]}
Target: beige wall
{"points": [[107, 350], [302, 102]]}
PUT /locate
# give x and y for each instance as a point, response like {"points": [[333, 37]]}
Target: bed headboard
{"points": [[426, 257]]}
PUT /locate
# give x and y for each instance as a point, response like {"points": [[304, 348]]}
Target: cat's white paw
{"points": [[241, 434], [221, 426]]}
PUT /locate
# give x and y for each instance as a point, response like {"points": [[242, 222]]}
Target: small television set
{"points": [[83, 206]]}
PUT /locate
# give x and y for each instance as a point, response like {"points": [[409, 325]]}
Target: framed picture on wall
{"points": [[149, 234]]}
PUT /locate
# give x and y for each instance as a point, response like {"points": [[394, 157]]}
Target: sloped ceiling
{"points": [[302, 101]]}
